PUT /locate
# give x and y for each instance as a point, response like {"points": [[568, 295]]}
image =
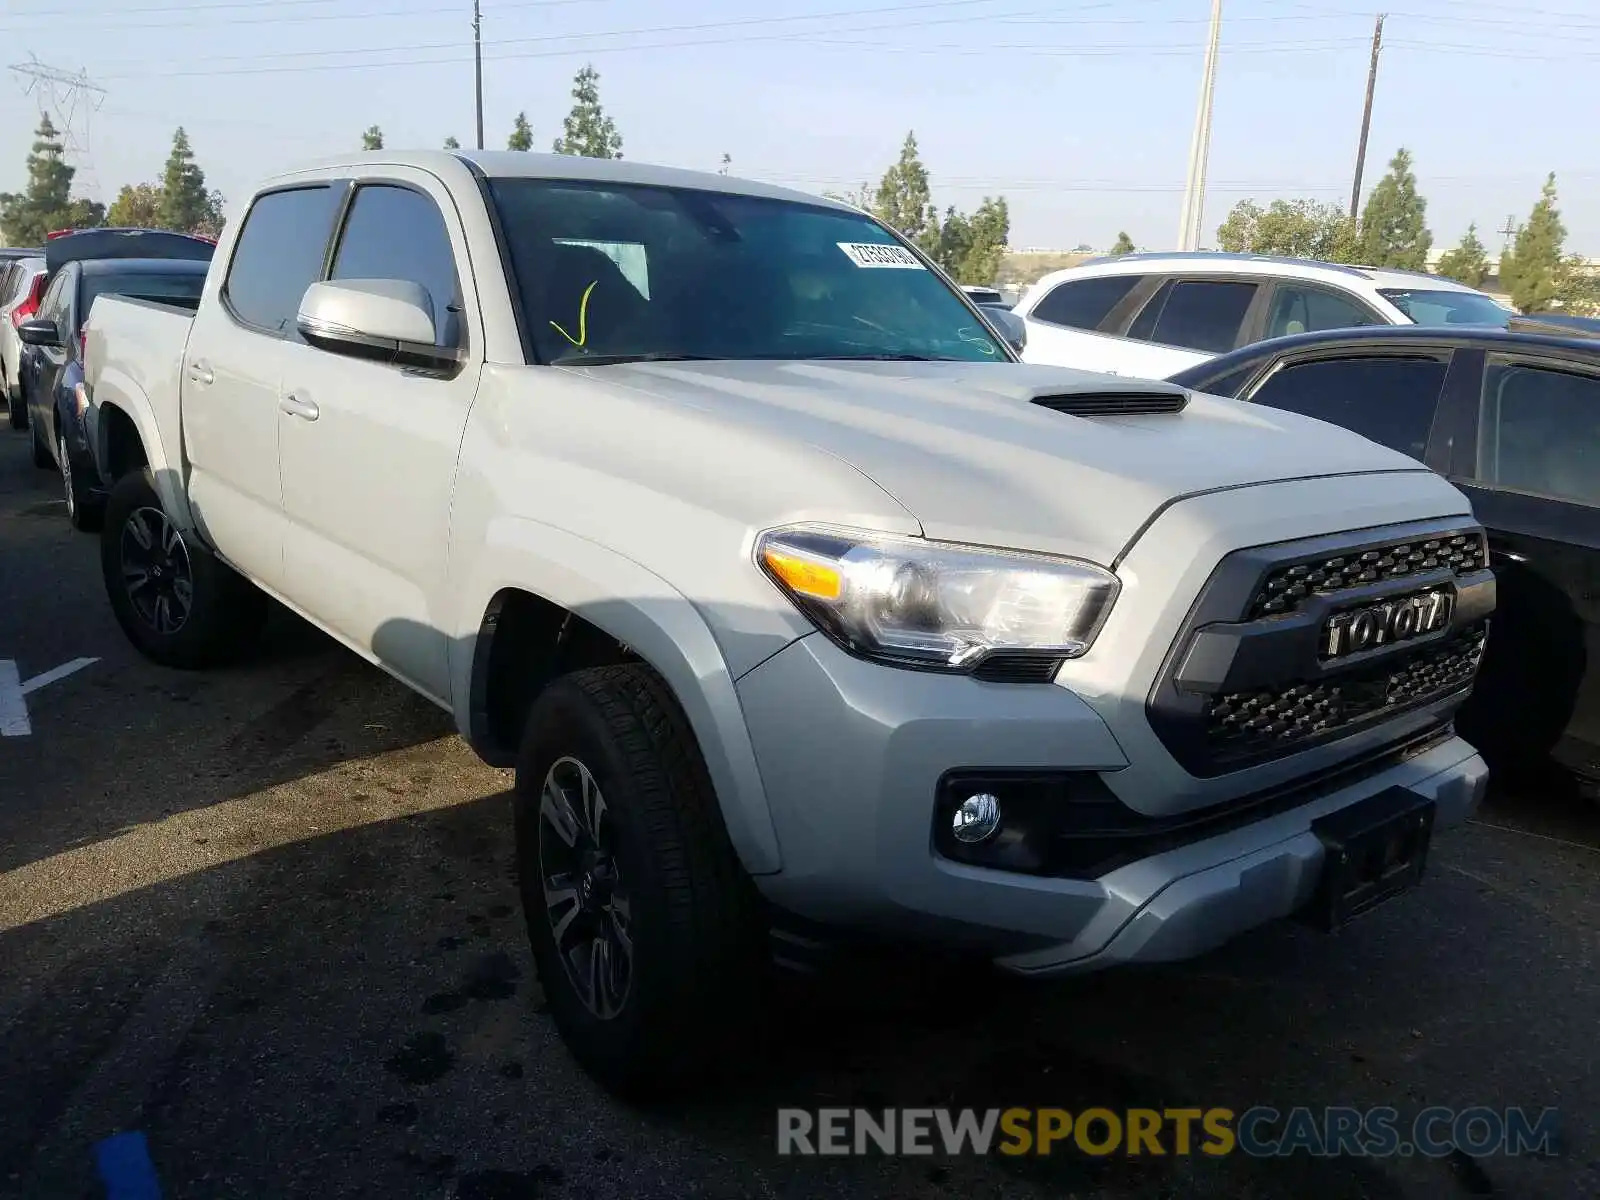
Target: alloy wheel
{"points": [[65, 460], [585, 902], [156, 570]]}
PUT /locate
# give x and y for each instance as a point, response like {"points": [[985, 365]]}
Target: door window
{"points": [[279, 255], [1297, 309], [397, 233], [55, 303], [1540, 432], [1388, 399], [1196, 314], [1083, 303]]}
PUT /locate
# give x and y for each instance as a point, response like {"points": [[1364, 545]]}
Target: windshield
{"points": [[611, 272], [1432, 306]]}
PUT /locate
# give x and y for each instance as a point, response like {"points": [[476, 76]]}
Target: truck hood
{"points": [[969, 451]]}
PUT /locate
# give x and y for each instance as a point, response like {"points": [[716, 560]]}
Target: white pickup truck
{"points": [[807, 615]]}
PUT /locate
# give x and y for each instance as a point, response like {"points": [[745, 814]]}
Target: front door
{"points": [[369, 449], [1535, 486], [232, 374]]}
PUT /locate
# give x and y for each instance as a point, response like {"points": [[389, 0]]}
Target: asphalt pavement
{"points": [[265, 918]]}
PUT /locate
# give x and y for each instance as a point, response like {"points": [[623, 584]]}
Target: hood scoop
{"points": [[1114, 404]]}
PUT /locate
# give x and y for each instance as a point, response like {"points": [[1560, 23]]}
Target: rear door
{"points": [[1533, 475], [233, 367], [1296, 307], [41, 364], [1188, 320], [369, 454]]}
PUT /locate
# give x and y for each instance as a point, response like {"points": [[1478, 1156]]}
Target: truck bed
{"points": [[134, 348]]}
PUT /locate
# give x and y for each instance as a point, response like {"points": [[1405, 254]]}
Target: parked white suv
{"points": [[1153, 314]]}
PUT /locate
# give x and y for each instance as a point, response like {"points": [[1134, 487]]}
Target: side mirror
{"points": [[39, 332], [1011, 326], [385, 320]]}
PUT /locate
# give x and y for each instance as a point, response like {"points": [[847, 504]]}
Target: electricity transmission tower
{"points": [[70, 99]]}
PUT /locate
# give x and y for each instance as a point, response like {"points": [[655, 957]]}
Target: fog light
{"points": [[977, 818]]}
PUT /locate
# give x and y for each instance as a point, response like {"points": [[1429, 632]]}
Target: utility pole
{"points": [[1366, 117], [1194, 192], [1509, 232], [477, 61]]}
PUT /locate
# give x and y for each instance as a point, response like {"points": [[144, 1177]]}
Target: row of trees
{"points": [[1535, 269], [179, 201], [969, 246], [587, 131]]}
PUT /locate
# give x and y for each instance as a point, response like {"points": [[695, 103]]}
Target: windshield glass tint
{"points": [[632, 271], [148, 287], [1437, 307]]}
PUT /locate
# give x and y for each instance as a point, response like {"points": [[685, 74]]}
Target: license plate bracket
{"points": [[1374, 850]]}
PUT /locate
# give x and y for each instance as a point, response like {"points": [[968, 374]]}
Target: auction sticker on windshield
{"points": [[877, 254]]}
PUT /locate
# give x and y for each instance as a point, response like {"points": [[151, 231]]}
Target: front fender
{"points": [[655, 620], [160, 435]]}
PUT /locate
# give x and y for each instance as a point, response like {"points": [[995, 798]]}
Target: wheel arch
{"points": [[545, 601]]}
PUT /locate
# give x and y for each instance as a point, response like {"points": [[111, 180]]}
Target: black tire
{"points": [[84, 513], [16, 410], [41, 451], [224, 611], [696, 969]]}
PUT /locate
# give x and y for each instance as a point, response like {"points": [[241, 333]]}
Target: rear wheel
{"points": [[642, 923], [16, 410], [177, 602]]}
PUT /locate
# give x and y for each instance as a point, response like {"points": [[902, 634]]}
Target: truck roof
{"points": [[517, 164]]}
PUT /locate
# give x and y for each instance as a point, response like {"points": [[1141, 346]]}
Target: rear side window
{"points": [[1390, 400], [396, 233], [1298, 309], [279, 255], [1196, 314], [1540, 432], [1083, 303]]}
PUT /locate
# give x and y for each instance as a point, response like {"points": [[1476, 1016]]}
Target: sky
{"points": [[1079, 112]]}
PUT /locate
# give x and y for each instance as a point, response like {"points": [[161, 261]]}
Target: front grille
{"points": [[1241, 724], [1289, 587]]}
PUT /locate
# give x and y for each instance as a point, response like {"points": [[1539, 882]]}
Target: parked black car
{"points": [[52, 364], [1513, 419]]}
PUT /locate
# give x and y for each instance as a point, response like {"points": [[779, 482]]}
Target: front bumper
{"points": [[851, 755]]}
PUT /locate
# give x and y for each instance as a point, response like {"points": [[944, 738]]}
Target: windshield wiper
{"points": [[606, 360]]}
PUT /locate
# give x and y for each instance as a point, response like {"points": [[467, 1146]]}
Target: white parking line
{"points": [[13, 708], [13, 705]]}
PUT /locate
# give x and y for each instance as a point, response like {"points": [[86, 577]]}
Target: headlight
{"points": [[936, 604]]}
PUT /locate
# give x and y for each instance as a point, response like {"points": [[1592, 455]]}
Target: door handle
{"points": [[299, 406], [199, 372]]}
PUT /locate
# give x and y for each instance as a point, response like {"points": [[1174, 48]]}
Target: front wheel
{"points": [[83, 512], [177, 602], [643, 926]]}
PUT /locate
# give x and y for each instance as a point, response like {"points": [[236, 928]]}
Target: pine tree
{"points": [[903, 201], [1531, 267], [1468, 263], [587, 131], [450, 143], [47, 204], [1124, 245], [372, 138], [1394, 230], [185, 203], [521, 134]]}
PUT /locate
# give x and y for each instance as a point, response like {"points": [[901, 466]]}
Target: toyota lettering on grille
{"points": [[1389, 621]]}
